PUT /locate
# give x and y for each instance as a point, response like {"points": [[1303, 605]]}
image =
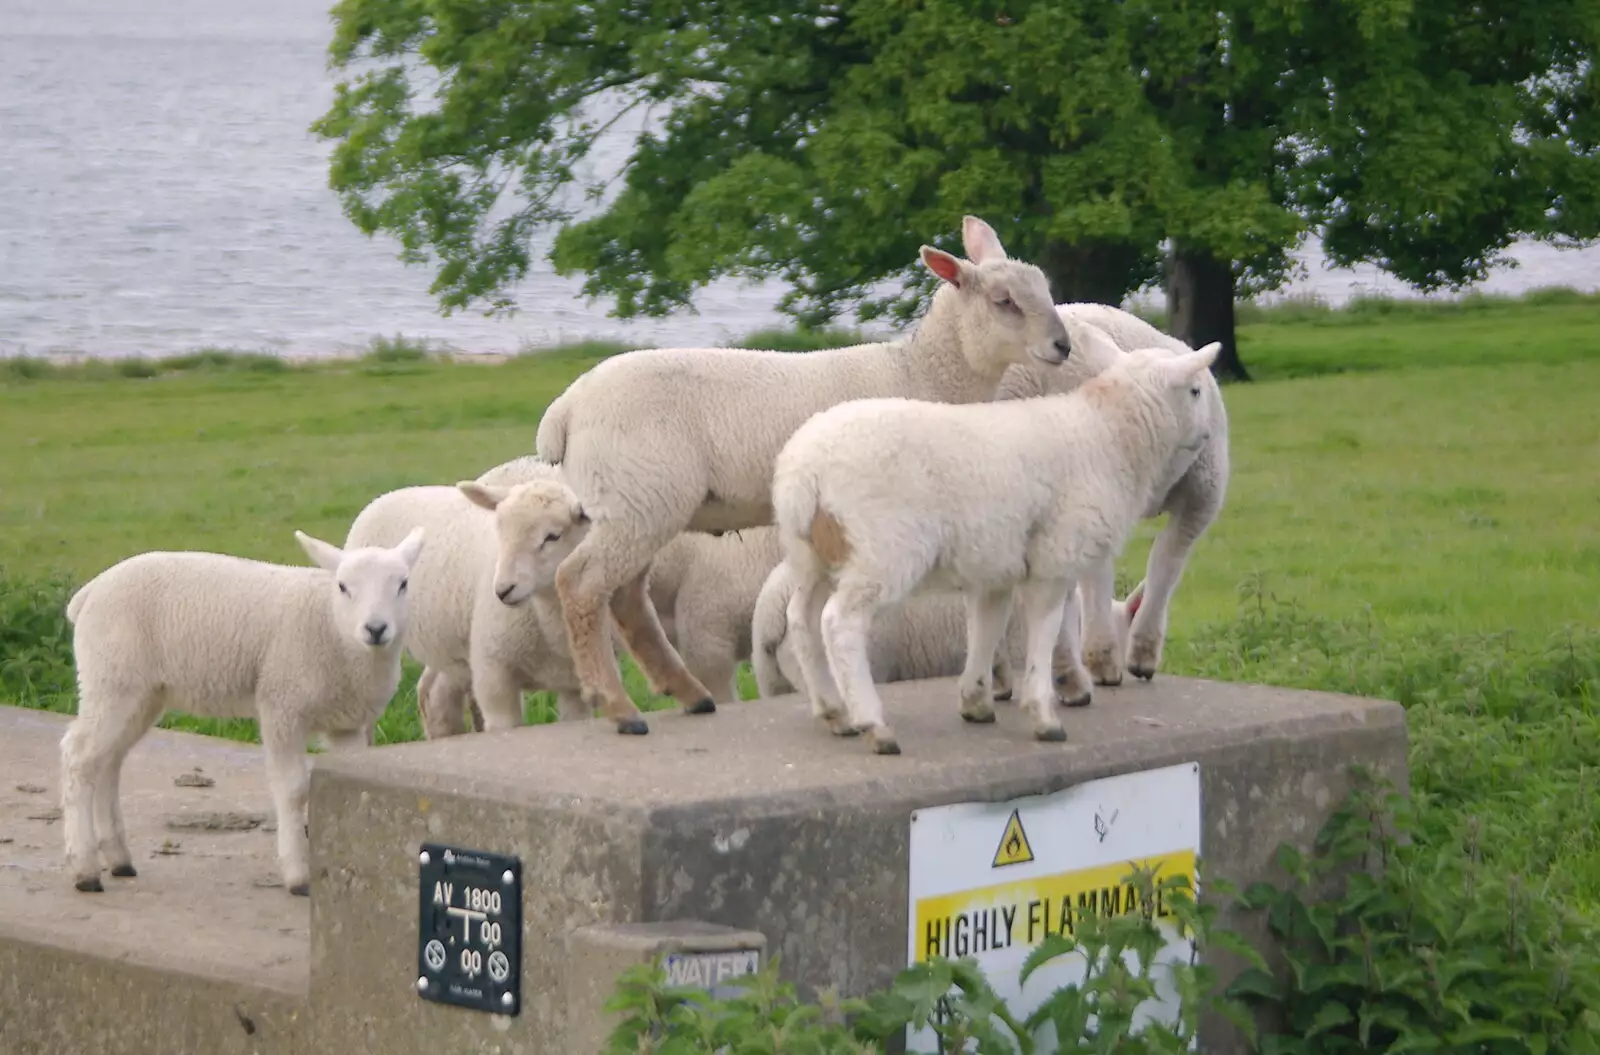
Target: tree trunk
{"points": [[1200, 306], [1102, 272]]}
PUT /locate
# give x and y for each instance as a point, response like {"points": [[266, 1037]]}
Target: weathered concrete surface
{"points": [[203, 952], [597, 955], [57, 1002], [756, 817], [579, 867]]}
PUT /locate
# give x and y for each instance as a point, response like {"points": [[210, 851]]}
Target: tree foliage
{"points": [[821, 142]]}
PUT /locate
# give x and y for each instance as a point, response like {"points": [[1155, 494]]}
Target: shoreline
{"points": [[399, 349]]}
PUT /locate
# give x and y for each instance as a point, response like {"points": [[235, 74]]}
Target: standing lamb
{"points": [[704, 589], [485, 617], [667, 440], [924, 637], [1191, 491], [703, 586], [302, 649], [985, 499]]}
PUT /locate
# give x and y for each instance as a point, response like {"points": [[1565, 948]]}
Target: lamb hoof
{"points": [[1103, 666], [1054, 734], [978, 717], [702, 706], [1144, 656], [843, 728], [632, 727], [882, 741], [91, 885], [300, 889], [1003, 696], [1083, 699], [126, 871]]}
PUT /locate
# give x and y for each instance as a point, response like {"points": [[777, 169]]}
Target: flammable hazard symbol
{"points": [[1013, 848]]}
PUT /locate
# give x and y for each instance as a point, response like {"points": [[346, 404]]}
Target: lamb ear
{"points": [[1091, 344], [322, 554], [482, 494], [1186, 369], [948, 267], [410, 547], [980, 242], [1204, 356]]}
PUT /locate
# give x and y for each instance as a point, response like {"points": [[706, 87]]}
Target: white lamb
{"points": [[1191, 491], [485, 617], [923, 637], [704, 588], [667, 440], [985, 499], [301, 649]]}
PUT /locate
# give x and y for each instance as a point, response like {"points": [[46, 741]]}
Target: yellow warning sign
{"points": [[1013, 848], [1022, 911]]}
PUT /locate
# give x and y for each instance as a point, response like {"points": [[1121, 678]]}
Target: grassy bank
{"points": [[1412, 514]]}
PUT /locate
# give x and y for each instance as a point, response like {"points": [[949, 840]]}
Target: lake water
{"points": [[159, 191]]}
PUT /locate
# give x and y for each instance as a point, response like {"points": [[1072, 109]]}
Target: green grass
{"points": [[1412, 514]]}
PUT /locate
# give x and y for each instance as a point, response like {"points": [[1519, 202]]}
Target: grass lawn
{"points": [[1410, 486]]}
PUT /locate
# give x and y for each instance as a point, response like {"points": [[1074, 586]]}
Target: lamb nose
{"points": [[1063, 346], [505, 591], [375, 631]]}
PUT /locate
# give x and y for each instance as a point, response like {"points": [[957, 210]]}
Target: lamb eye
{"points": [[1195, 391], [554, 536], [344, 590], [403, 584], [1003, 302]]}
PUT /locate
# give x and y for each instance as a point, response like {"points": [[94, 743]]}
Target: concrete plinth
{"points": [[757, 818], [203, 953], [753, 819]]}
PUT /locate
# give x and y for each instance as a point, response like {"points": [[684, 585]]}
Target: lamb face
{"points": [[368, 593], [1009, 312], [537, 524], [1179, 382]]}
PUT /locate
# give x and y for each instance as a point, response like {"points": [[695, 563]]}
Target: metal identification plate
{"points": [[469, 936]]}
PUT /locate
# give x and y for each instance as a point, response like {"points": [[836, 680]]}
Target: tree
{"points": [[1444, 131], [821, 142]]}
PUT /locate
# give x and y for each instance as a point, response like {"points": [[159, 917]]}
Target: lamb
{"points": [[922, 638], [485, 616], [302, 649], [925, 637], [1192, 492], [661, 441], [703, 586], [704, 589], [985, 499]]}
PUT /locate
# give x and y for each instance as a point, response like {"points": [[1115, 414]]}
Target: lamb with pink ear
{"points": [[989, 500], [665, 440]]}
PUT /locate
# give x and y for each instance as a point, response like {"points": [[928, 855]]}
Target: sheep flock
{"points": [[838, 519]]}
